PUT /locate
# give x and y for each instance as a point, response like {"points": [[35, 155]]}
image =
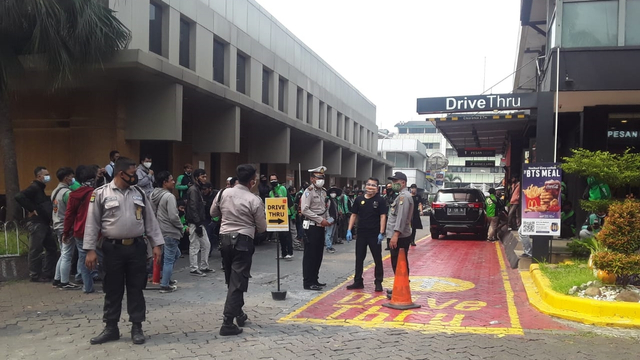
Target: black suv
{"points": [[458, 211]]}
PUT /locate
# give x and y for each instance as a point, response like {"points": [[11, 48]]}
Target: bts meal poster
{"points": [[540, 199]]}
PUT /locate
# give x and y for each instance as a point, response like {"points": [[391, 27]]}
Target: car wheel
{"points": [[435, 234]]}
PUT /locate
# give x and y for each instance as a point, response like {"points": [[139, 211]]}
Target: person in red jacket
{"points": [[75, 218]]}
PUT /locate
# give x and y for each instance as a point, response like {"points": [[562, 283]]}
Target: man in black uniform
{"points": [[243, 216], [121, 213], [371, 212]]}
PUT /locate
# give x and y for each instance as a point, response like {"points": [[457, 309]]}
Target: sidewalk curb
{"points": [[587, 311]]}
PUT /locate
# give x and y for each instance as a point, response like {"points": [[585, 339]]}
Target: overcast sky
{"points": [[394, 52]]}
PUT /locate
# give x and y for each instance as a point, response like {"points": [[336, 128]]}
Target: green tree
{"points": [[56, 38], [450, 178]]}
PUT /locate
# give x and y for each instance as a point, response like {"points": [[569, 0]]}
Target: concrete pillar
{"points": [[332, 157], [173, 34], [364, 169], [154, 112], [379, 171], [269, 143], [204, 52], [307, 151], [348, 164], [217, 131], [254, 81]]}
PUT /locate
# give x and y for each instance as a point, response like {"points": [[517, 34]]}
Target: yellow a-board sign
{"points": [[277, 214]]}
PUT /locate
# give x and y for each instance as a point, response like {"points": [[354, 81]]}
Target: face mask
{"points": [[274, 183], [147, 165], [396, 187], [319, 183], [133, 179], [47, 178], [333, 195]]}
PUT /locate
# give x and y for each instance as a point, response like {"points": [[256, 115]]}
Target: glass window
{"points": [[430, 130], [458, 196], [155, 28], [309, 108], [402, 131], [587, 24], [218, 61], [321, 116], [632, 25], [329, 119], [282, 83], [241, 74], [416, 130], [185, 29], [299, 104], [266, 74]]}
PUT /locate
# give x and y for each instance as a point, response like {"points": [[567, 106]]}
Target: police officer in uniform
{"points": [[243, 216], [314, 210], [121, 214], [399, 219]]}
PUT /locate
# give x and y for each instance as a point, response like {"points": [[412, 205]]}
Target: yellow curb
{"points": [[587, 311]]}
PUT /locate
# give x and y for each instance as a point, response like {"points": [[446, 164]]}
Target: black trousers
{"points": [[286, 242], [403, 243], [237, 271], [364, 240], [41, 238], [312, 257], [413, 235], [125, 266]]}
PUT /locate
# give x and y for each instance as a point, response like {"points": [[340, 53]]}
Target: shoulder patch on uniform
{"points": [[306, 193], [93, 197], [401, 198], [137, 197]]}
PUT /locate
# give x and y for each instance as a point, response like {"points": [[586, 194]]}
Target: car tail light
{"points": [[476, 205], [437, 206]]}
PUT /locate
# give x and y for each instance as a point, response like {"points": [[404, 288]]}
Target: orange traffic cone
{"points": [[401, 295]]}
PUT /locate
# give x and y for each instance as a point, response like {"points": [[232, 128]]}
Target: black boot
{"points": [[137, 336], [229, 328], [242, 319], [110, 333]]}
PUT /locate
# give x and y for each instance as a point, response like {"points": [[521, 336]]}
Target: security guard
{"points": [[243, 216], [121, 214], [399, 219], [314, 210]]}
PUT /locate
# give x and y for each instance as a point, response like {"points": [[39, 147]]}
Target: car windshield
{"points": [[458, 196]]}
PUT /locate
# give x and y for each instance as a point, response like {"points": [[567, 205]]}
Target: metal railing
{"points": [[11, 239]]}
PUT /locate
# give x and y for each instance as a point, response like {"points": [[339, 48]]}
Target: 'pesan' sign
{"points": [[477, 103]]}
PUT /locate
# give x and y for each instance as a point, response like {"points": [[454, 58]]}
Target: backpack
{"points": [[596, 190]]}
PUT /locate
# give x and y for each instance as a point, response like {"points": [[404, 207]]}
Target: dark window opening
{"points": [[218, 61], [281, 93], [266, 74], [241, 75], [185, 29]]}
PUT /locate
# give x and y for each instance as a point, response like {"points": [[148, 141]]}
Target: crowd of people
{"points": [[111, 224]]}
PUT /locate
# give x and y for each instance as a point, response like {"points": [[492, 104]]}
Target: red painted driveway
{"points": [[462, 285]]}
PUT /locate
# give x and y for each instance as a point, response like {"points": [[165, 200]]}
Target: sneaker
{"points": [[524, 255], [168, 289], [197, 273], [69, 286], [173, 282], [55, 283], [207, 270], [289, 257], [331, 250]]}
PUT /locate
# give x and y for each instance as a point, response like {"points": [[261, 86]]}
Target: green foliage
{"points": [[578, 249], [621, 230], [596, 206], [617, 170], [17, 243], [623, 266], [565, 276], [58, 35]]}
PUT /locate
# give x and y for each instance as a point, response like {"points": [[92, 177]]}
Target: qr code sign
{"points": [[528, 227]]}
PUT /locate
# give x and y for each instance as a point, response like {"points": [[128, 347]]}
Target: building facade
{"points": [[213, 83]]}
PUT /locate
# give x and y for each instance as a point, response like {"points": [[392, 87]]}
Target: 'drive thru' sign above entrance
{"points": [[277, 214], [477, 103]]}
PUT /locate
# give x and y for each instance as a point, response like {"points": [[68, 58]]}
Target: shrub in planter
{"points": [[623, 266], [621, 230]]}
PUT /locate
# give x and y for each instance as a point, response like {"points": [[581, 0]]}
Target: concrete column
{"points": [[154, 112], [231, 71], [273, 89], [173, 34], [217, 131], [305, 112], [307, 151], [332, 157], [348, 164], [254, 81], [204, 52], [365, 168], [315, 114], [379, 171], [135, 16], [269, 143]]}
